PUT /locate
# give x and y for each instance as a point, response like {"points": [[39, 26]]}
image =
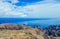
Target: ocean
{"points": [[43, 22]]}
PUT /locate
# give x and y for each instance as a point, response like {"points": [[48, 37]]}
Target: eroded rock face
{"points": [[11, 31]]}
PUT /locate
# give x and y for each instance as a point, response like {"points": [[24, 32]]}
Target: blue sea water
{"points": [[43, 22]]}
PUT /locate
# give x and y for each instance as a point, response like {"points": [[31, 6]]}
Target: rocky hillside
{"points": [[14, 31], [52, 31]]}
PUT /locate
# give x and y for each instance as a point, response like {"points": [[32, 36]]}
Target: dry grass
{"points": [[26, 33]]}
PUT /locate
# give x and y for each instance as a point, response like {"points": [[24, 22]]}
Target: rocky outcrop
{"points": [[14, 31], [53, 31]]}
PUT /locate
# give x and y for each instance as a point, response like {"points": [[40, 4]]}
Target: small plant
{"points": [[28, 33]]}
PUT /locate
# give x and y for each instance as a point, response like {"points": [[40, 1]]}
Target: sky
{"points": [[30, 8]]}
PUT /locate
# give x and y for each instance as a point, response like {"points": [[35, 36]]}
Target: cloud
{"points": [[13, 1], [10, 10], [46, 9], [41, 9]]}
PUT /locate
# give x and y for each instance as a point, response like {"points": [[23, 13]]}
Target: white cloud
{"points": [[9, 10], [13, 1], [44, 9], [48, 10]]}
